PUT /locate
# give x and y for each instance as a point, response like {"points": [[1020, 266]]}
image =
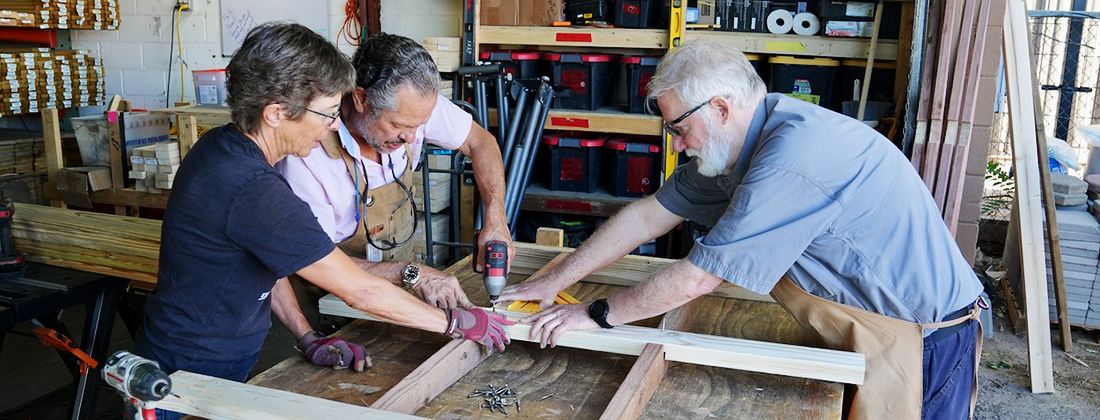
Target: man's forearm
{"points": [[670, 288], [639, 222], [483, 150]]}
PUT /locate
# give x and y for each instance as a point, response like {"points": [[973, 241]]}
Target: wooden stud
{"points": [[700, 349], [905, 57], [1028, 198], [216, 398], [51, 133], [188, 133], [955, 103], [118, 165], [870, 63], [645, 376], [550, 237], [928, 65], [944, 65]]}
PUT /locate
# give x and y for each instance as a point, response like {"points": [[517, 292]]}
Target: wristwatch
{"points": [[598, 312], [410, 275]]}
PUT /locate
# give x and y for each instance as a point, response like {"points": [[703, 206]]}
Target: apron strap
{"points": [[975, 312]]}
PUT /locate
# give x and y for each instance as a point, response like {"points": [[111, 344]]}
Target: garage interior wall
{"points": [[136, 56]]}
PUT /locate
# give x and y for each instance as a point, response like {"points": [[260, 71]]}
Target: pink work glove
{"points": [[333, 351], [475, 324]]}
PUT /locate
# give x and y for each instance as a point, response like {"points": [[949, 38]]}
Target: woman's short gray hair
{"points": [[699, 70], [284, 63], [384, 63]]}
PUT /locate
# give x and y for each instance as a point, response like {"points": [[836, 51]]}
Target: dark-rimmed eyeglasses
{"points": [[331, 117], [669, 126]]}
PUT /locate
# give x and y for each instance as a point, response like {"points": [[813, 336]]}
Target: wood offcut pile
{"points": [[60, 14], [40, 78]]}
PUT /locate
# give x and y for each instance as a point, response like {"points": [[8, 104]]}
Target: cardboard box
{"points": [[76, 183], [521, 12]]}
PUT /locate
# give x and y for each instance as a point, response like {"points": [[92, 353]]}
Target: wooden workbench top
{"points": [[572, 383]]}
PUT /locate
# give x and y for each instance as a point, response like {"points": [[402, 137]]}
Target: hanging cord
{"points": [[392, 242], [179, 42], [167, 103], [352, 30]]}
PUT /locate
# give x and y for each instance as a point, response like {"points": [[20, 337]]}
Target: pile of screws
{"points": [[497, 398]]}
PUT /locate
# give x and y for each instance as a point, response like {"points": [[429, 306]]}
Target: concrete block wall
{"points": [[136, 57], [417, 19], [967, 234]]}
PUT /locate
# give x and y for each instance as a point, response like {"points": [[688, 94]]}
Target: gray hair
{"points": [[699, 70], [283, 63], [384, 63]]}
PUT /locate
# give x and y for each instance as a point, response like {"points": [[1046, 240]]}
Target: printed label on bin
{"points": [[643, 81], [631, 9], [856, 9], [574, 80], [208, 94], [572, 169], [802, 86]]}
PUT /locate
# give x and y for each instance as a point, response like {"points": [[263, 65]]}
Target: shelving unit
{"points": [[611, 120]]}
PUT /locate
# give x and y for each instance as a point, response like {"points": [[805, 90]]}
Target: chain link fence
{"points": [[1066, 47]]}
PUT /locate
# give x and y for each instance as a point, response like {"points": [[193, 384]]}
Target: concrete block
{"points": [[1085, 245], [987, 92], [1068, 184], [1061, 199]]}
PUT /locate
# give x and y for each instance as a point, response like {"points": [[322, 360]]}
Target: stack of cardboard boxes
{"points": [[445, 51]]}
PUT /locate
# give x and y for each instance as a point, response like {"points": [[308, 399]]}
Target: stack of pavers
{"points": [[1069, 191], [1079, 235]]}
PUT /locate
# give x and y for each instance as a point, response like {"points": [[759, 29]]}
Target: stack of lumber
{"points": [[126, 247], [154, 166], [954, 49], [62, 14], [20, 156], [40, 78], [1080, 250], [11, 18]]}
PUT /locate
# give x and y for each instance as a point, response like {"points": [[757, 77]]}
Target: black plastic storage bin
{"points": [[882, 81], [580, 12], [758, 64], [636, 13], [519, 64], [636, 167], [809, 79], [640, 69], [587, 80], [742, 15], [574, 161]]}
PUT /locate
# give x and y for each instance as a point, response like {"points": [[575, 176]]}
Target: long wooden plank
{"points": [[630, 270], [701, 349], [215, 398], [928, 65], [440, 371], [953, 205], [944, 65], [1052, 235], [645, 376], [1028, 199], [964, 49]]}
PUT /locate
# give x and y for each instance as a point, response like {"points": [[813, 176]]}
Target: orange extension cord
{"points": [[352, 29]]}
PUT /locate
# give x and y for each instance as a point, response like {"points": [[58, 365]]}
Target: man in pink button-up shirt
{"points": [[396, 103]]}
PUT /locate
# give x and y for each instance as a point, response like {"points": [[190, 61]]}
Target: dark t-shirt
{"points": [[232, 228]]}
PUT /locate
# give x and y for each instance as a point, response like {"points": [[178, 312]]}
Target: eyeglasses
{"points": [[676, 131], [331, 117]]}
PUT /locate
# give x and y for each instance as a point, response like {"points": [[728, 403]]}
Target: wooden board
{"points": [[1028, 201], [702, 349], [572, 377], [217, 398]]}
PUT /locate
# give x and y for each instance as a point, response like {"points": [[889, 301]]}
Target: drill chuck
{"points": [[136, 377]]}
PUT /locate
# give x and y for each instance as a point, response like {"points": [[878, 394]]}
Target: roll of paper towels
{"points": [[780, 21], [806, 24]]}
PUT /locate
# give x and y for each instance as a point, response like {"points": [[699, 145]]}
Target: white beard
{"points": [[714, 159]]}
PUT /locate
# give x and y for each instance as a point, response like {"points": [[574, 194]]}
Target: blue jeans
{"points": [[949, 374]]}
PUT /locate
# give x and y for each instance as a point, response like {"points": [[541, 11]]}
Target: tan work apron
{"points": [[386, 211], [893, 384]]}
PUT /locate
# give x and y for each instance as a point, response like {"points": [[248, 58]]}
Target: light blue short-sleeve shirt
{"points": [[833, 204]]}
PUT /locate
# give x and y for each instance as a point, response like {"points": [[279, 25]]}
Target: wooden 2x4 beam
{"points": [[701, 349]]}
